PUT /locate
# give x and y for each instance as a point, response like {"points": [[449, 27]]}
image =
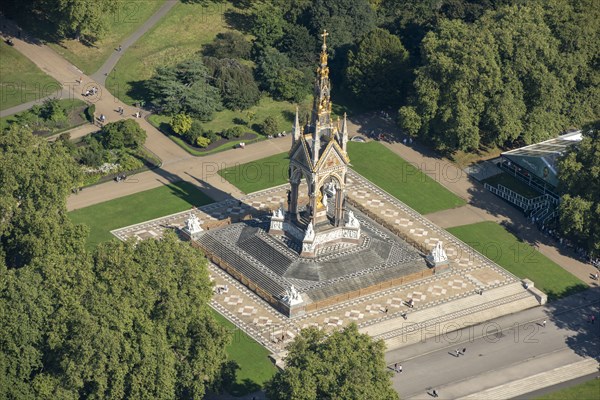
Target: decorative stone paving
{"points": [[468, 270]]}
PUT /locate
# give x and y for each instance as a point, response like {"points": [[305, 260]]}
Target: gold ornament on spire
{"points": [[324, 69]]}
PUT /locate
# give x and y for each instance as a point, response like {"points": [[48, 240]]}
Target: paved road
{"points": [[500, 350]]}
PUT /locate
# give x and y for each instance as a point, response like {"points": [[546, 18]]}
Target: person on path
{"points": [[464, 350], [400, 369], [544, 323], [434, 393], [457, 352], [120, 48]]}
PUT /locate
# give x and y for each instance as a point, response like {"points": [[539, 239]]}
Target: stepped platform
{"points": [[270, 263], [438, 297]]}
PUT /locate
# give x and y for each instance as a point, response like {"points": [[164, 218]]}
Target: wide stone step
{"points": [[538, 381], [419, 325]]}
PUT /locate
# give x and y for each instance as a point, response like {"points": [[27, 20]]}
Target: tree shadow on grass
{"points": [[242, 388], [288, 115], [239, 21], [137, 90]]}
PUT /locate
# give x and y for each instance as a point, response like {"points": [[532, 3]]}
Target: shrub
{"points": [[124, 133], [181, 123], [202, 142], [89, 113], [210, 135], [233, 132], [51, 110]]}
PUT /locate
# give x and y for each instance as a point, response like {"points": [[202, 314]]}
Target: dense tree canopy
{"points": [[127, 321], [377, 72], [235, 82], [517, 75], [579, 175], [74, 19], [186, 87], [344, 365]]}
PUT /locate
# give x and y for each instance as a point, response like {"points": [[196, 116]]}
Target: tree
{"points": [[347, 21], [269, 126], [184, 88], [299, 45], [579, 183], [268, 22], [452, 88], [377, 73], [229, 45], [279, 78], [126, 133], [181, 123], [77, 19], [344, 365], [35, 178], [235, 82]]}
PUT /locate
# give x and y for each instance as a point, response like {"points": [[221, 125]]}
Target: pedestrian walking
{"points": [[120, 47], [544, 323], [464, 350], [457, 352], [404, 315], [434, 393], [396, 367], [400, 369]]}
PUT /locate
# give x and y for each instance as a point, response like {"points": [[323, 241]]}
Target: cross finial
{"points": [[324, 35]]}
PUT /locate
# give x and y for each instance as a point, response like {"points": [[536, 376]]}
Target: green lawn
{"points": [[73, 107], [136, 208], [129, 16], [513, 184], [399, 178], [21, 80], [372, 160], [180, 34], [589, 390], [251, 357], [258, 175], [519, 258]]}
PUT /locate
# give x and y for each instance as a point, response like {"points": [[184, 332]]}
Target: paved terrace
{"points": [[451, 297]]}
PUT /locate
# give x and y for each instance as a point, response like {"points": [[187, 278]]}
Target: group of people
{"points": [[90, 92], [120, 110], [222, 289], [120, 177]]}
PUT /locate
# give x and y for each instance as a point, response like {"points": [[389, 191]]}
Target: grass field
{"points": [[519, 258], [21, 80], [129, 16], [372, 160], [513, 184], [589, 390], [136, 208], [251, 357], [258, 175], [400, 179], [181, 33], [71, 105]]}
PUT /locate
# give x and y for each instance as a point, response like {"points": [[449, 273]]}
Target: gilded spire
{"points": [[323, 70]]}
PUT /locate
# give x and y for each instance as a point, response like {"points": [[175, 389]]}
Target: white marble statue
{"points": [[292, 297], [192, 224], [324, 201], [438, 254], [310, 232], [352, 220]]}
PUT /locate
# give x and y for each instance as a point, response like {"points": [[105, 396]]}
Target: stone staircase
{"points": [[538, 381], [446, 317]]}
